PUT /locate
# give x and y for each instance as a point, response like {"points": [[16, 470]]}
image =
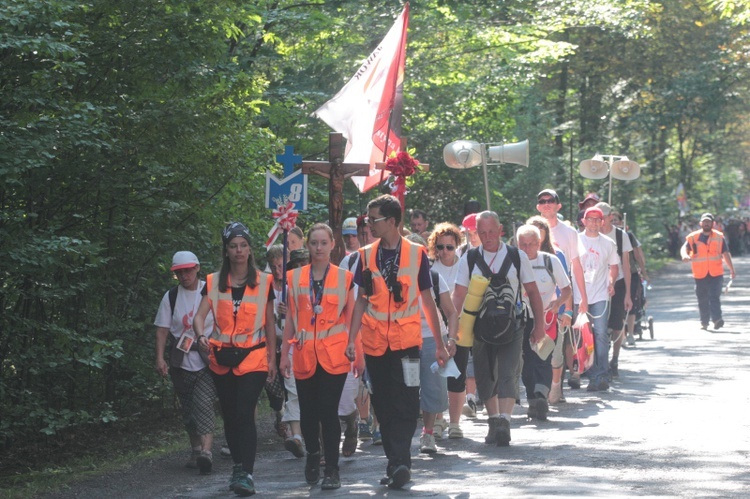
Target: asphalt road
{"points": [[675, 424]]}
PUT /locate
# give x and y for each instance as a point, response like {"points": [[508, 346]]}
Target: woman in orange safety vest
{"points": [[241, 346], [321, 300]]}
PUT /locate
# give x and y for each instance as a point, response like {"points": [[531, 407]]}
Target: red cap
{"points": [[593, 211], [470, 222]]}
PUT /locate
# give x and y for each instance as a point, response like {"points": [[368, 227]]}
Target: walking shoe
{"points": [[630, 340], [237, 473], [225, 452], [294, 445], [704, 325], [364, 431], [718, 324], [555, 393], [427, 444], [531, 412], [598, 386], [279, 425], [613, 368], [205, 462], [438, 428], [542, 407], [331, 480], [455, 432], [312, 468], [377, 438], [192, 461], [245, 486], [574, 381], [494, 427], [503, 433], [400, 477], [470, 409]]}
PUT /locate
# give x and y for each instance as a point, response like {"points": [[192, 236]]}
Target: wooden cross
{"points": [[336, 171]]}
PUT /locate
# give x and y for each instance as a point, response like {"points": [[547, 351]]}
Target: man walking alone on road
{"points": [[705, 249]]}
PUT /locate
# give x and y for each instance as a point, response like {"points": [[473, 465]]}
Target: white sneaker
{"points": [[631, 340], [427, 444], [470, 409]]}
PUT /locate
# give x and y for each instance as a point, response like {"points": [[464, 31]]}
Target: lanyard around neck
{"points": [[315, 296]]}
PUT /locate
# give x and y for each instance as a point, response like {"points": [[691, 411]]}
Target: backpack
{"points": [[498, 316], [548, 267]]}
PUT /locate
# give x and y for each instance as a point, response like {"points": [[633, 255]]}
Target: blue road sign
{"points": [[292, 188]]}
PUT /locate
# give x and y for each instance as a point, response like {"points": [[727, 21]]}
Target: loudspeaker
{"points": [[625, 169], [462, 154], [516, 153], [593, 168]]}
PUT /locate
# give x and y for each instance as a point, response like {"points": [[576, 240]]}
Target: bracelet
{"points": [[569, 313], [451, 339]]}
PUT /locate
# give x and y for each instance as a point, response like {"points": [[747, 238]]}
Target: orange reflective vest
{"points": [[242, 330], [319, 338], [706, 259], [386, 323]]}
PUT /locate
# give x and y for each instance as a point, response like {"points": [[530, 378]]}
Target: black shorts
{"points": [[617, 307]]}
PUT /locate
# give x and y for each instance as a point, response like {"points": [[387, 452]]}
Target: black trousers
{"points": [[238, 397], [319, 397], [396, 405]]}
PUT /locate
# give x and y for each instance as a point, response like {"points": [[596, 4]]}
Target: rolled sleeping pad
{"points": [[474, 296]]}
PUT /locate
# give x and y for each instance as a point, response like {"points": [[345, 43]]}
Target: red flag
{"points": [[368, 109]]}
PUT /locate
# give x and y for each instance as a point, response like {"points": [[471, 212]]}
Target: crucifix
{"points": [[336, 171]]}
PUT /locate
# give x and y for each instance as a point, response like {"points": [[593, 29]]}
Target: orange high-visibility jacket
{"points": [[244, 330], [706, 259], [386, 323], [322, 341]]}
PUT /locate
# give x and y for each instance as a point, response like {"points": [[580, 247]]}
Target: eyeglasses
{"points": [[593, 219], [547, 201], [441, 247], [374, 220]]}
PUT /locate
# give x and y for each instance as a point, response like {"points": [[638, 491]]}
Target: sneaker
{"points": [[704, 325], [312, 468], [400, 477], [438, 428], [555, 393], [205, 462], [470, 409], [192, 461], [630, 340], [294, 445], [719, 324], [542, 408], [613, 368], [503, 433], [377, 438], [455, 432], [245, 486], [494, 426], [600, 386], [364, 431], [427, 444], [237, 473], [331, 479], [574, 381], [531, 412], [279, 425], [225, 452]]}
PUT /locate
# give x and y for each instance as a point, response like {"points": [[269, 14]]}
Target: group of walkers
{"points": [[392, 321]]}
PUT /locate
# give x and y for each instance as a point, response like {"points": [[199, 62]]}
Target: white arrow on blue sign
{"points": [[292, 188]]}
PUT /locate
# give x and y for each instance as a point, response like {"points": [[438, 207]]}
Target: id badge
{"points": [[185, 342], [411, 371]]}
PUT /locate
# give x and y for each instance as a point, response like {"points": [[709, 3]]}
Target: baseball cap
{"points": [[184, 260], [548, 192], [470, 222], [299, 257], [707, 216], [594, 210], [349, 227], [590, 195], [604, 207]]}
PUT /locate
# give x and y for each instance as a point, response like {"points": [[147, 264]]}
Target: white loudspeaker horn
{"points": [[462, 154], [625, 169], [516, 153], [593, 168]]}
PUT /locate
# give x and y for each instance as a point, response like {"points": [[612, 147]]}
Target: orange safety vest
{"points": [[242, 330], [706, 259], [386, 323], [322, 341]]}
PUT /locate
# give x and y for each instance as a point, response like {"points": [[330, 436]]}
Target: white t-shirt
{"points": [[626, 246], [181, 321], [426, 331], [447, 273], [596, 254], [566, 238], [495, 261], [544, 281]]}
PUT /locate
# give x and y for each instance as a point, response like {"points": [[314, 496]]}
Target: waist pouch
{"points": [[233, 356]]}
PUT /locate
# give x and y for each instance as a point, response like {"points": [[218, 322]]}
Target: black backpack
{"points": [[497, 317]]}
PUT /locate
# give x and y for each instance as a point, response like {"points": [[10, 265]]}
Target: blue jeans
{"points": [[599, 316], [708, 291]]}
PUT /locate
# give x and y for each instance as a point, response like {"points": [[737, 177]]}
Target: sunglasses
{"points": [[547, 201], [374, 220], [441, 247]]}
